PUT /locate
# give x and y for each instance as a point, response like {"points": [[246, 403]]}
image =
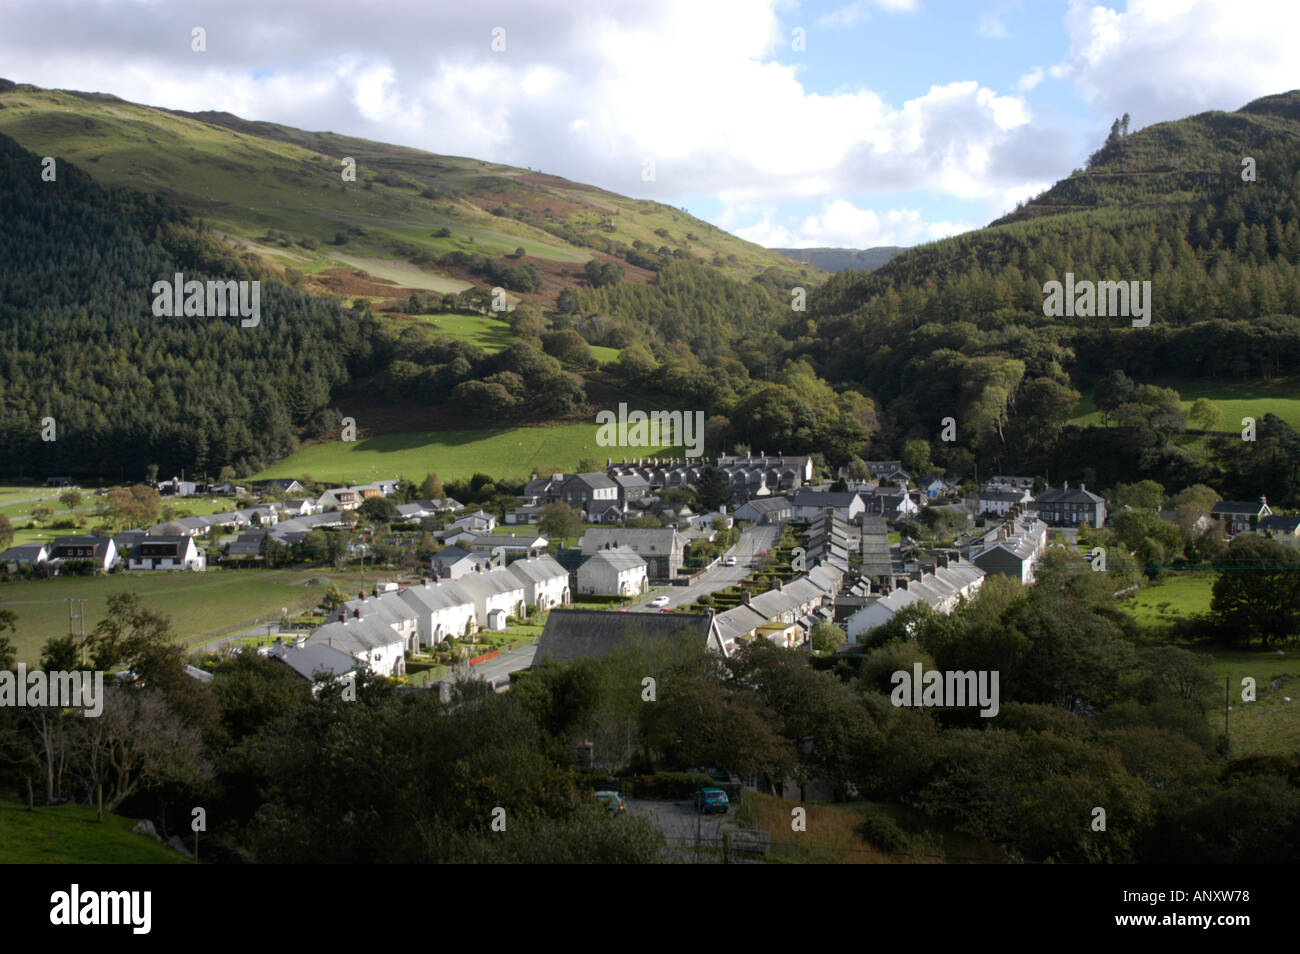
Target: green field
{"points": [[1280, 397], [1178, 595], [71, 834], [490, 334], [500, 452], [202, 606]]}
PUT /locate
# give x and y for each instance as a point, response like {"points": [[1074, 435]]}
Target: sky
{"points": [[847, 123]]}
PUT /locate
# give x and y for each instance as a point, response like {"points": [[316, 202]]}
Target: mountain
{"points": [[413, 218], [839, 259], [959, 329]]}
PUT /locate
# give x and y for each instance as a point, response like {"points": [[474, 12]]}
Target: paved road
{"points": [[496, 672], [753, 542], [680, 825]]}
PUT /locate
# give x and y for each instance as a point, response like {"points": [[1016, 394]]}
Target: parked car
{"points": [[729, 561], [711, 800], [659, 601], [612, 801]]}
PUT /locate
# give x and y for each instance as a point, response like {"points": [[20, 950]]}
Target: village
{"points": [[790, 550]]}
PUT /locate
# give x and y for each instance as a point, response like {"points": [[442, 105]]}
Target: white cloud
{"points": [[856, 12], [1162, 59], [1029, 80], [841, 224]]}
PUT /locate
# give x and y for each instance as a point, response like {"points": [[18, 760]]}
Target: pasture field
{"points": [[202, 606], [1235, 400], [500, 452], [71, 834]]}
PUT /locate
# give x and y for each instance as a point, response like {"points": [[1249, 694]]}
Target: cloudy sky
{"points": [[843, 123]]}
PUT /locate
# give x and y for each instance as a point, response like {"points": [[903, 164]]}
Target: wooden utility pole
{"points": [[1227, 694]]}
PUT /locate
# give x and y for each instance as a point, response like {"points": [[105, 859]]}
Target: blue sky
{"points": [[901, 121]]}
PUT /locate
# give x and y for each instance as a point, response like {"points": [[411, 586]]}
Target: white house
{"points": [[339, 498], [101, 551], [617, 571], [29, 554], [545, 582], [390, 609], [442, 609], [167, 553], [365, 637], [496, 595], [999, 499]]}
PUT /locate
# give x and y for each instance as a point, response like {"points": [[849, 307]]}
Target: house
{"points": [[451, 563], [582, 491], [892, 507], [545, 582], [227, 489], [101, 551], [1011, 482], [390, 609], [705, 521], [339, 498], [766, 511], [670, 512], [998, 500], [1236, 514], [299, 506], [630, 487], [285, 485], [1280, 526], [514, 546], [593, 634], [167, 553], [1012, 549], [662, 549], [525, 514], [365, 637], [26, 554], [941, 586], [887, 471], [615, 571], [739, 625], [497, 594], [249, 545], [315, 663], [808, 504], [177, 488], [607, 511], [1070, 507], [476, 522], [932, 487], [58, 481], [442, 609]]}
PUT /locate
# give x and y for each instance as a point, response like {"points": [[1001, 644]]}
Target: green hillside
{"points": [[255, 179], [72, 835]]}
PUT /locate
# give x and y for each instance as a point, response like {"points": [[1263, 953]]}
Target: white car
{"points": [[659, 601], [729, 561]]}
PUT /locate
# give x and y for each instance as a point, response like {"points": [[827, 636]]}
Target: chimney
{"points": [[748, 597], [1263, 501], [356, 613], [1065, 485], [300, 642], [343, 616], [1083, 486], [424, 580], [376, 590], [361, 595]]}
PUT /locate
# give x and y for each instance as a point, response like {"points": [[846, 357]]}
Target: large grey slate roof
{"points": [[593, 634]]}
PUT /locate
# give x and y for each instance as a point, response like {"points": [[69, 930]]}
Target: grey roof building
{"points": [[593, 634]]}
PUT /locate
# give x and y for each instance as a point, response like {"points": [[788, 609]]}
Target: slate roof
{"points": [[537, 570], [316, 657], [593, 634], [1249, 507], [620, 558]]}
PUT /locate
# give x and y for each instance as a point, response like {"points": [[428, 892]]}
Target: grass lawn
{"points": [[202, 606], [1178, 595], [490, 334], [499, 452], [604, 355], [70, 835], [1269, 725], [1235, 400]]}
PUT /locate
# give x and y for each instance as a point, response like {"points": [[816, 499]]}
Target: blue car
{"points": [[711, 800]]}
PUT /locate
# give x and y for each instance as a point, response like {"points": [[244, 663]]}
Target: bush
{"points": [[882, 833], [671, 784]]}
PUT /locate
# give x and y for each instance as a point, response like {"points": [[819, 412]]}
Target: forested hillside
{"points": [[958, 327], [126, 389]]}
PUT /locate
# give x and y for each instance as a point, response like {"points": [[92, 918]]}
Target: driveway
{"points": [[682, 826]]}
